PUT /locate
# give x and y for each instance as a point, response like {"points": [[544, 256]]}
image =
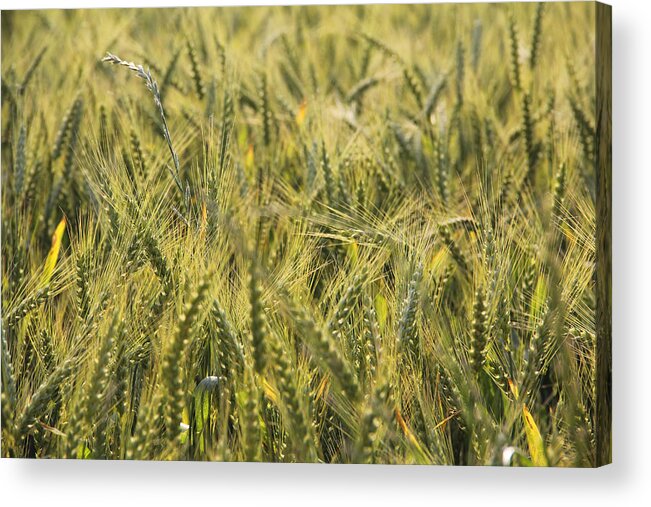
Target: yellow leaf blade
{"points": [[534, 439], [271, 392], [300, 115], [53, 255], [353, 252], [513, 388], [249, 160], [381, 309]]}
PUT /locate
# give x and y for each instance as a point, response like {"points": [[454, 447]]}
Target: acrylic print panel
{"points": [[333, 234]]}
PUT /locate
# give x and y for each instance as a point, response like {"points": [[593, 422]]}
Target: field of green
{"points": [[358, 234]]}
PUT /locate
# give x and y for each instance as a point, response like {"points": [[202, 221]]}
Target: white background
{"points": [[626, 483]]}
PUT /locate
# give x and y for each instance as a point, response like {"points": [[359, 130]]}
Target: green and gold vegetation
{"points": [[356, 234]]}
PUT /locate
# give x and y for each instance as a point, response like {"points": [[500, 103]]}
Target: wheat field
{"points": [[351, 234]]}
